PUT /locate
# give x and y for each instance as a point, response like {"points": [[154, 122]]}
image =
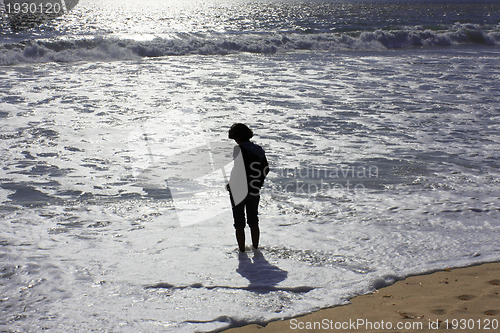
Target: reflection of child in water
{"points": [[256, 169]]}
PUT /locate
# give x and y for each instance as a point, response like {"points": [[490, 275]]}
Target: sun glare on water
{"points": [[146, 20]]}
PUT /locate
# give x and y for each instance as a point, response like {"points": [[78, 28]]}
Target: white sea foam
{"points": [[91, 237], [113, 48]]}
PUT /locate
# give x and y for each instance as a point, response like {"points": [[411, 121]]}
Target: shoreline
{"points": [[465, 299]]}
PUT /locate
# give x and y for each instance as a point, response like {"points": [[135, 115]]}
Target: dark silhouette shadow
{"points": [[263, 276]]}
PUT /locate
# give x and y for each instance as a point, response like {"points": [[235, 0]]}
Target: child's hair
{"points": [[241, 132]]}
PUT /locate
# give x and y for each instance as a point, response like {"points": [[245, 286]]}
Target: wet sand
{"points": [[452, 300]]}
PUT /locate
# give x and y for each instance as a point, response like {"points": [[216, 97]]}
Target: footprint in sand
{"points": [[491, 312], [466, 297], [438, 311]]}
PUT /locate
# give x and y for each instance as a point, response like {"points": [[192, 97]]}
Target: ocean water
{"points": [[380, 120]]}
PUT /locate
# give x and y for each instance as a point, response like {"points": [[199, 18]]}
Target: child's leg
{"points": [[240, 238], [255, 236], [239, 225], [252, 208]]}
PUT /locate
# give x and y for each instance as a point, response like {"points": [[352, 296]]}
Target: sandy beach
{"points": [[454, 300]]}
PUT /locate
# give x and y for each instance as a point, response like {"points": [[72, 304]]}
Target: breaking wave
{"points": [[112, 48]]}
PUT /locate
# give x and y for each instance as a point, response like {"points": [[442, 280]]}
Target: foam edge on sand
{"points": [[460, 299]]}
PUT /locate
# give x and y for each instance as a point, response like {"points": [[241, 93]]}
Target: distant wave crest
{"points": [[109, 48]]}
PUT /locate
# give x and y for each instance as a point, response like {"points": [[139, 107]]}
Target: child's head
{"points": [[240, 132]]}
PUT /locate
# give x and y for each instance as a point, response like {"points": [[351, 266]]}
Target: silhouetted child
{"points": [[247, 177]]}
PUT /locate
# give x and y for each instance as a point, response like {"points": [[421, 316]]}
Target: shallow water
{"points": [[383, 165]]}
